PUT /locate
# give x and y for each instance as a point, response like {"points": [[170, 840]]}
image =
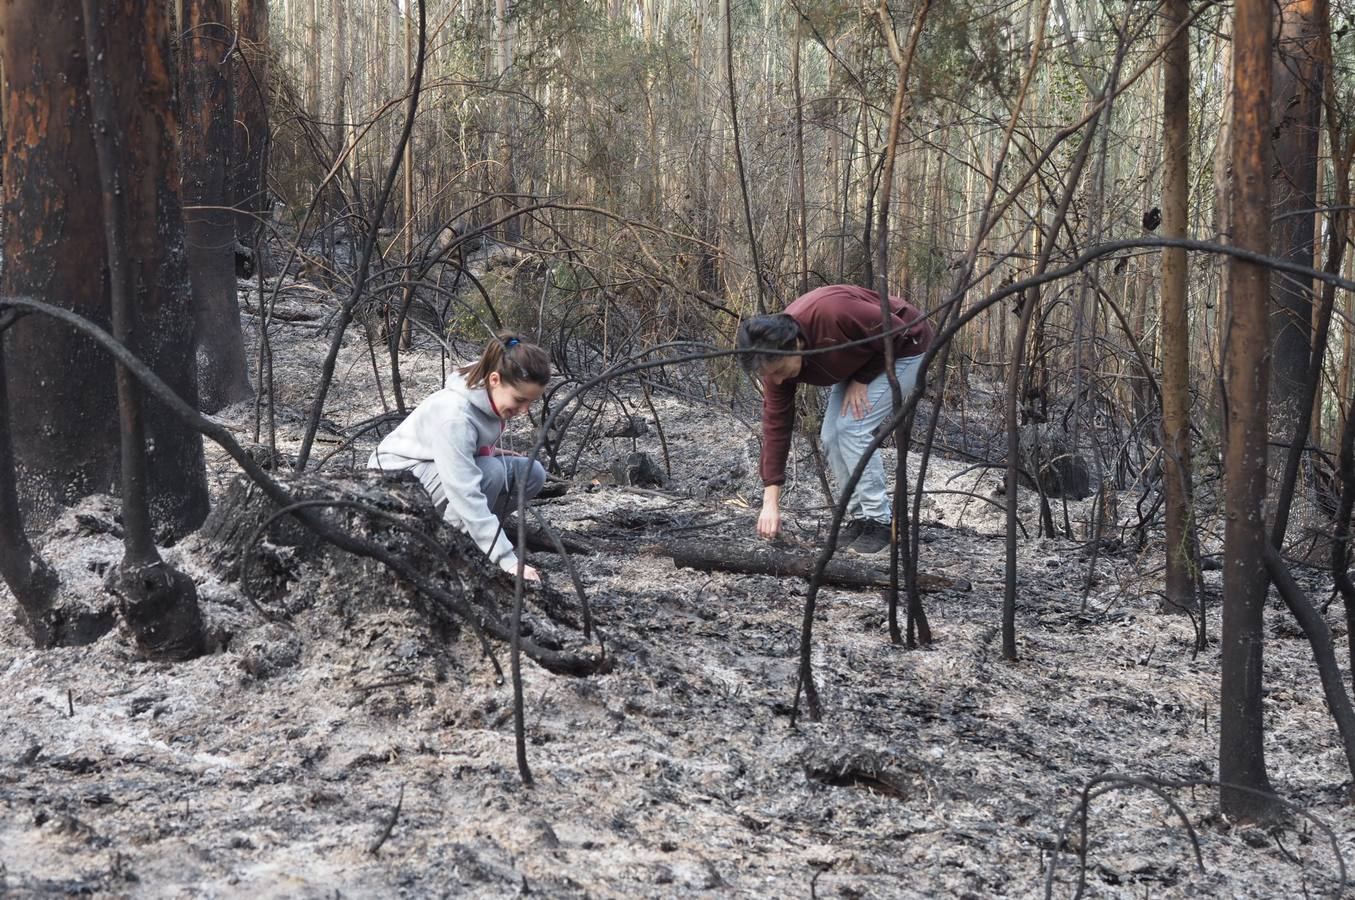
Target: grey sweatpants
{"points": [[498, 481], [845, 438]]}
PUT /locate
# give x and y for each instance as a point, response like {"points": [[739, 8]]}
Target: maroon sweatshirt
{"points": [[835, 314]]}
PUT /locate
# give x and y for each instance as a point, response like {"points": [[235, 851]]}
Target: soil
{"points": [[347, 749]]}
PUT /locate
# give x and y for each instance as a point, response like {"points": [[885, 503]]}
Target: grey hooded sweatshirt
{"points": [[450, 429]]}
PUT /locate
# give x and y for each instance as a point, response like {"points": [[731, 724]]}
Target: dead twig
{"points": [[390, 823]]}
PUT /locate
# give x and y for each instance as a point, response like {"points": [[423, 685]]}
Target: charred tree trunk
{"points": [[1340, 551], [1308, 418], [209, 230], [249, 142], [1295, 112], [28, 576], [1175, 320], [1242, 766], [133, 126], [62, 407], [59, 389], [49, 616]]}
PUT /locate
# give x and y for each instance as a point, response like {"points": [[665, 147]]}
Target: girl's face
{"points": [[511, 399]]}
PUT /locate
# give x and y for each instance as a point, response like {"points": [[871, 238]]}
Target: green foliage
{"points": [[927, 264], [962, 47]]}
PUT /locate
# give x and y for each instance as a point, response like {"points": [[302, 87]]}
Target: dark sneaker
{"points": [[850, 531], [873, 538]]}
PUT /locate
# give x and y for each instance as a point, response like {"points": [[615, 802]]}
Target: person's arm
{"points": [[778, 421], [453, 443]]}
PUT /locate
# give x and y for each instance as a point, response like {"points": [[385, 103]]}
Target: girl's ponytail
{"points": [[514, 359]]}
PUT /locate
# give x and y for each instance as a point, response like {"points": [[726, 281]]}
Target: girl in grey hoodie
{"points": [[450, 442]]}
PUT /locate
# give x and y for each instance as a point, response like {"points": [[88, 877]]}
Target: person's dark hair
{"points": [[762, 334], [514, 359]]}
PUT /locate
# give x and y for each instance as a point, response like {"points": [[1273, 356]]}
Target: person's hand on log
{"points": [[769, 520], [855, 398], [529, 573]]}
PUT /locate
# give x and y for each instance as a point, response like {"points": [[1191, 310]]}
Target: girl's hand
{"points": [[769, 521], [855, 398], [529, 573]]}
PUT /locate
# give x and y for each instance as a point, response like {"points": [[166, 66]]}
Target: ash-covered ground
{"points": [[273, 767]]}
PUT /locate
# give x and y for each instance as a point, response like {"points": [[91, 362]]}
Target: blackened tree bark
{"points": [[1296, 105], [1175, 321], [1242, 768], [29, 578], [61, 404], [209, 228], [249, 85], [44, 617], [159, 603], [1340, 552], [59, 385], [146, 118]]}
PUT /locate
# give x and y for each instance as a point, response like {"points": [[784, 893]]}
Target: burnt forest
{"points": [[677, 448]]}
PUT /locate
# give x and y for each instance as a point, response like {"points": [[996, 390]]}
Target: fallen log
{"points": [[285, 314], [855, 572], [539, 541]]}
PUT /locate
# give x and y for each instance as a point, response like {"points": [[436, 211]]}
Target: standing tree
{"points": [[64, 426], [249, 146], [209, 229], [132, 112], [1295, 112], [28, 576], [1176, 472], [1246, 791]]}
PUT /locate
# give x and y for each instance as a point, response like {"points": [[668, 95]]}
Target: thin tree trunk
{"points": [[802, 223], [160, 604], [406, 334], [903, 60], [1296, 104], [209, 230], [1242, 768], [249, 150], [1180, 580], [738, 159], [310, 47], [1309, 397]]}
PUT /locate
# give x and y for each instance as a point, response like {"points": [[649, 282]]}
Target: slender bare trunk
{"points": [[1180, 581], [1242, 768]]}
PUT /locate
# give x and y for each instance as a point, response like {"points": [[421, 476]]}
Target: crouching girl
{"points": [[450, 442]]}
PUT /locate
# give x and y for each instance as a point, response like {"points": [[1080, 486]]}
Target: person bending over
{"points": [[450, 442], [858, 402]]}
